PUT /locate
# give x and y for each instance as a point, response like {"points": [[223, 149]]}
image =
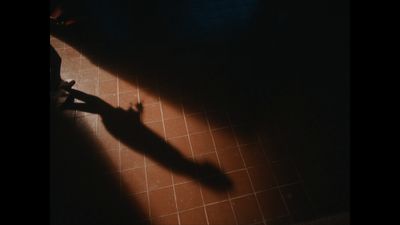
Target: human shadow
{"points": [[294, 74], [126, 126], [161, 41]]}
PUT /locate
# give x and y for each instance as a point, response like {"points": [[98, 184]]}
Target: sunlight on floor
{"points": [[258, 193]]}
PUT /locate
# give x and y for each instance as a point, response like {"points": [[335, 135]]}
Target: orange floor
{"points": [[265, 188]]}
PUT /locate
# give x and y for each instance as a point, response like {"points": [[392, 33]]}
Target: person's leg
{"points": [[58, 87], [55, 66], [55, 73]]}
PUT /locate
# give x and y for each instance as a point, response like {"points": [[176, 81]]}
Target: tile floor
{"points": [[267, 189]]}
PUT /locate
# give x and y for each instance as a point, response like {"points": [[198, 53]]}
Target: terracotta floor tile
{"points": [[285, 172], [175, 127], [151, 113], [271, 204], [239, 119], [70, 55], [111, 99], [71, 65], [87, 64], [297, 202], [157, 128], [158, 177], [108, 141], [88, 122], [208, 165], [57, 44], [253, 155], [193, 217], [126, 86], [150, 162], [87, 86], [113, 157], [224, 138], [246, 210], [230, 159], [147, 97], [162, 202], [179, 178], [287, 220], [202, 143], [182, 145], [134, 180], [218, 119], [143, 202], [262, 177], [105, 75], [210, 195], [241, 183], [128, 99], [245, 135], [275, 150], [69, 74], [191, 106], [166, 220], [208, 158], [188, 195], [108, 87], [148, 82], [131, 159], [91, 75], [220, 214], [171, 111], [197, 123]]}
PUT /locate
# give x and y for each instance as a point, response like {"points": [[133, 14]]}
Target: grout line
{"points": [[231, 126], [218, 128], [207, 204], [98, 118], [137, 90], [172, 176], [274, 176], [203, 132], [119, 143], [97, 88], [145, 163], [247, 171], [124, 92], [302, 183], [191, 150], [239, 196], [214, 203], [267, 221], [219, 162]]}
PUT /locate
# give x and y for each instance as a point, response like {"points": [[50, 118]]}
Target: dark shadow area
{"points": [[285, 71], [126, 126], [81, 192]]}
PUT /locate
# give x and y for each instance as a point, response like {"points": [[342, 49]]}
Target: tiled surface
{"points": [[267, 188], [188, 195], [220, 213], [158, 177], [193, 216], [246, 210]]}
